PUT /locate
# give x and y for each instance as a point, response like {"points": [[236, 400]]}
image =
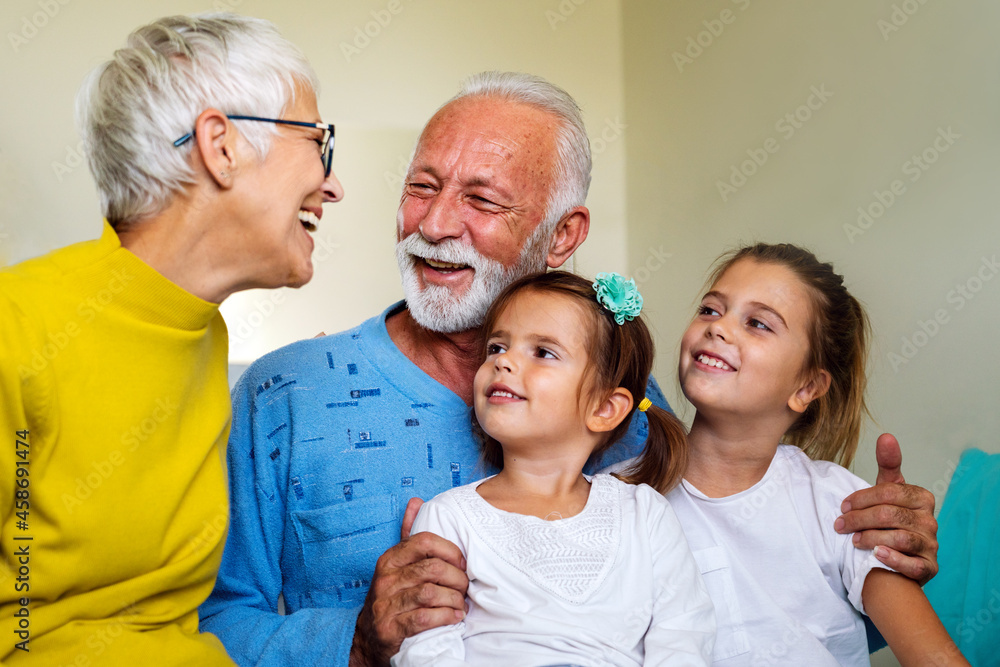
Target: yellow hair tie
{"points": [[644, 404]]}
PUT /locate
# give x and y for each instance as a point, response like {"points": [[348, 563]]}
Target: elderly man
{"points": [[332, 435], [113, 395]]}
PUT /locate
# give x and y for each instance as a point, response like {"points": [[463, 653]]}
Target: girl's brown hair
{"points": [[838, 343], [619, 356]]}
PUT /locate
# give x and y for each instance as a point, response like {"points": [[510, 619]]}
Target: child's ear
{"points": [[610, 412], [817, 385]]}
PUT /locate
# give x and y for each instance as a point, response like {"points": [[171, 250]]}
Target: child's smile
{"points": [[747, 347], [529, 389]]}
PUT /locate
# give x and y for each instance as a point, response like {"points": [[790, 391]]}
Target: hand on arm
{"points": [[418, 584], [894, 515], [905, 618]]}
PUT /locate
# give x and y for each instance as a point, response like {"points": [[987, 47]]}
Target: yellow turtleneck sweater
{"points": [[114, 417]]}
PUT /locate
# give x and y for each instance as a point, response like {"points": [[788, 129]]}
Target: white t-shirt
{"points": [[786, 586], [614, 585]]}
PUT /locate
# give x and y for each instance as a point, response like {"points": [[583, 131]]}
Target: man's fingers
{"points": [[918, 569], [393, 627], [901, 495], [432, 596], [414, 610], [889, 458], [887, 517], [903, 541], [418, 620], [417, 548], [409, 516], [434, 571], [396, 590]]}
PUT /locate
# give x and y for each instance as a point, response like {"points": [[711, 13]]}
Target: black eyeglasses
{"points": [[326, 143]]}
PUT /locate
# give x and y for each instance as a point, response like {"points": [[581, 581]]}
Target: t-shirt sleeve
{"points": [[440, 517], [439, 646], [682, 629], [836, 484]]}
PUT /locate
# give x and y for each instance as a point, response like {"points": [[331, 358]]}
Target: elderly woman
{"points": [[212, 164]]}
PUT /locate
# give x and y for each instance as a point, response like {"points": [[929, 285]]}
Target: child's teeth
{"points": [[711, 361]]}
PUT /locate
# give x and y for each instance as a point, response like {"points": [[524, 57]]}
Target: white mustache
{"points": [[453, 252]]}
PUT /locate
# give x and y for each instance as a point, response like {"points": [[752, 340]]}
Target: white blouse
{"points": [[615, 584]]}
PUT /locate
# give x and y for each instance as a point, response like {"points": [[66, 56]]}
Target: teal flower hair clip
{"points": [[618, 295]]}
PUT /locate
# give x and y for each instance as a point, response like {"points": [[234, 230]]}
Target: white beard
{"points": [[435, 307]]}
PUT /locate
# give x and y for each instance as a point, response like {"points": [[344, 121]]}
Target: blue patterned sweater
{"points": [[331, 437]]}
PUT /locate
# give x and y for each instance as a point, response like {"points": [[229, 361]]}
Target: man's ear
{"points": [[610, 412], [815, 387], [569, 234], [216, 140]]}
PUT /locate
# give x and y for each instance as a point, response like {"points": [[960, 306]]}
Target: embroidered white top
{"points": [[614, 585]]}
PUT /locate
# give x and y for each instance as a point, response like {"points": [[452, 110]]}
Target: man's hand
{"points": [[409, 516], [418, 584], [893, 517]]}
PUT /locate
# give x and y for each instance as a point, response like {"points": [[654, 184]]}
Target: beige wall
{"points": [[379, 90], [889, 95]]}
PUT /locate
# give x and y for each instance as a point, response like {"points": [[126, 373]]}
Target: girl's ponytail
{"points": [[664, 458]]}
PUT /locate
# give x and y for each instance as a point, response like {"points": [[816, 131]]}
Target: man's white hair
{"points": [[573, 162], [132, 108]]}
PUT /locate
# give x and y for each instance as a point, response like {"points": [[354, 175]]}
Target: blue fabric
{"points": [[966, 592], [330, 438]]}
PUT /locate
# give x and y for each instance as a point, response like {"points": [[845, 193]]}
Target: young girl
{"points": [[775, 354], [565, 568]]}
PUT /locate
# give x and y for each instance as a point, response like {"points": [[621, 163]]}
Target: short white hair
{"points": [[573, 161], [132, 108]]}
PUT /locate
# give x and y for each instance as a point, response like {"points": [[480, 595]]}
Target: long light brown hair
{"points": [[839, 338]]}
